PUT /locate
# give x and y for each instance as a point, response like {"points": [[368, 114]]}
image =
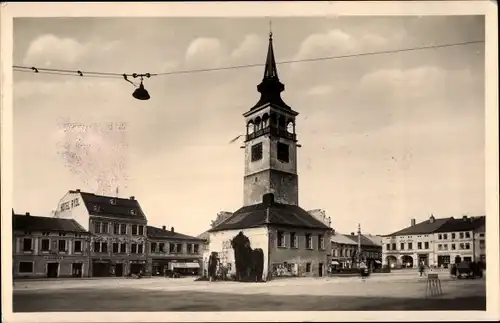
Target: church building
{"points": [[271, 227]]}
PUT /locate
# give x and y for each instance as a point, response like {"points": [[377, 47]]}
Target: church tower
{"points": [[270, 142]]}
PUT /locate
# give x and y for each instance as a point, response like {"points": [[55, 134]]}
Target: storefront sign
{"points": [[70, 204], [53, 257]]}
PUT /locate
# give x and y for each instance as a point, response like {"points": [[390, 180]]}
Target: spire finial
{"points": [[270, 29]]}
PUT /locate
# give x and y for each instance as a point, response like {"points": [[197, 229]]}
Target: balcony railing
{"points": [[273, 131]]}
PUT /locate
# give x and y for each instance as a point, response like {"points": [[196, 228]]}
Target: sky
{"points": [[385, 138]]}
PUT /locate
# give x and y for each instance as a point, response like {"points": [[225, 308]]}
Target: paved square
{"points": [[395, 291]]}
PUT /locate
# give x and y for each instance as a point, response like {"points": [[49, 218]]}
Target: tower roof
{"points": [[271, 87]]}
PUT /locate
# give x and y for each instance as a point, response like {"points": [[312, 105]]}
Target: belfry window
{"points": [[257, 152], [283, 152]]}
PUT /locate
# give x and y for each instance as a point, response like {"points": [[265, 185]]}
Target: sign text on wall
{"points": [[70, 204]]}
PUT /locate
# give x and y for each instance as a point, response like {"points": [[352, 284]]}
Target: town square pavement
{"points": [[403, 290]]}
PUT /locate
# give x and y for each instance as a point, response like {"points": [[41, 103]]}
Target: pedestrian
{"points": [[363, 270], [421, 269]]}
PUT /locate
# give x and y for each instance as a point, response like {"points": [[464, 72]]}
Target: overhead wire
{"points": [[80, 73]]}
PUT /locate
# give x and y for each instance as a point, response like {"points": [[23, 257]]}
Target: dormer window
{"points": [[133, 212], [96, 208], [112, 201]]}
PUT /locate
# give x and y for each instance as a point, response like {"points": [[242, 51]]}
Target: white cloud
{"points": [[251, 46], [48, 50], [204, 52], [334, 41]]}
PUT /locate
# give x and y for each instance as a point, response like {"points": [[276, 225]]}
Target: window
{"points": [[45, 245], [393, 247], [445, 236], [256, 152], [27, 244], [123, 248], [96, 208], [115, 247], [123, 229], [45, 233], [388, 246], [308, 267], [410, 246], [281, 239], [461, 235], [161, 247], [62, 234], [154, 245], [112, 201], [283, 152], [453, 235], [62, 245], [445, 246], [419, 245], [196, 248], [402, 245], [139, 248], [141, 230], [189, 248], [467, 235], [426, 245], [440, 246], [309, 242], [116, 228], [440, 236], [78, 246], [97, 227], [134, 229], [467, 245], [133, 248], [25, 267], [294, 241], [179, 248], [172, 248], [104, 246], [453, 246], [321, 241], [482, 245], [104, 228], [133, 212], [481, 235], [462, 246]]}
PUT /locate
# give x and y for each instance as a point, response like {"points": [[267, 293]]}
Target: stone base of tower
{"points": [[284, 187]]}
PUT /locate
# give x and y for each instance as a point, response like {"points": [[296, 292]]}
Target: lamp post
{"points": [[359, 245]]}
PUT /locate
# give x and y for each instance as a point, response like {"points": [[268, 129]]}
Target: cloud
{"points": [[48, 50], [250, 47], [333, 41], [320, 90], [204, 52]]}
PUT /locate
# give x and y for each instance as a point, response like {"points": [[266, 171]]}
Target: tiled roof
{"points": [[424, 227], [364, 240], [154, 232], [341, 239], [204, 236], [462, 224], [41, 223], [101, 205], [270, 213]]}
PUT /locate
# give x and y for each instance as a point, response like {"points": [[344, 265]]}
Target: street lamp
{"points": [[140, 93]]}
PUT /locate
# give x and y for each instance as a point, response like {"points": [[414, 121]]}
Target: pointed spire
{"points": [[271, 87]]}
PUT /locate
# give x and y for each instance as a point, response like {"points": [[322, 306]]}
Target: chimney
{"points": [[164, 227], [27, 214], [464, 217], [268, 198], [132, 198], [77, 190], [172, 229], [413, 222], [352, 233], [432, 218]]}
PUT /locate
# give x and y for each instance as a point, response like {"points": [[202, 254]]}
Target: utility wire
{"points": [[80, 73]]}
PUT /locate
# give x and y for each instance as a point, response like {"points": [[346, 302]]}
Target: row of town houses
{"points": [[98, 236], [92, 235]]}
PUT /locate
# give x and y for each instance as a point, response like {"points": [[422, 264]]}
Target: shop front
{"points": [[101, 268], [185, 268], [160, 267], [137, 266]]}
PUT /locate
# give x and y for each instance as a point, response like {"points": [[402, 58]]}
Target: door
{"points": [[119, 270], [77, 270], [52, 270], [320, 270]]}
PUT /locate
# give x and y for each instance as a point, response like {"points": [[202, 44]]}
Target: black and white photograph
{"points": [[249, 160]]}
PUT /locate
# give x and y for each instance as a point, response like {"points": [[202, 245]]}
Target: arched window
{"points": [[250, 127], [258, 123], [265, 120], [281, 121], [290, 127]]}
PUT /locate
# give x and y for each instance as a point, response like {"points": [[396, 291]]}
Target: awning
{"points": [[192, 265], [185, 265], [378, 262], [335, 262]]}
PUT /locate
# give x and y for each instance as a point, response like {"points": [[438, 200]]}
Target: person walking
{"points": [[363, 270], [421, 268]]}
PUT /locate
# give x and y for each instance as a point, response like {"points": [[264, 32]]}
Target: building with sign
{"points": [[436, 242], [117, 227], [345, 248], [48, 247], [271, 227], [169, 251]]}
